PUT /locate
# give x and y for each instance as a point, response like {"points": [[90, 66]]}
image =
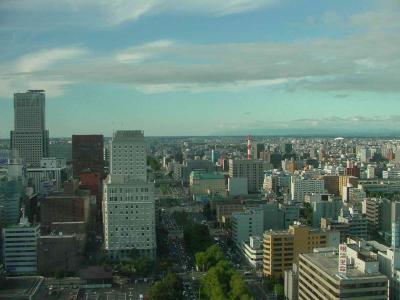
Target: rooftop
{"points": [[328, 263], [128, 135], [204, 176]]}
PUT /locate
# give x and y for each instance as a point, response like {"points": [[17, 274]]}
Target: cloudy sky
{"points": [[201, 67]]}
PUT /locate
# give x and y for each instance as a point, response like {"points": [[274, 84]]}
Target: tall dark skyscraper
{"points": [[30, 137], [88, 153]]}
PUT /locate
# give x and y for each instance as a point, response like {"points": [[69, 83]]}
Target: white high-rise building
{"points": [[128, 154], [30, 136], [128, 202], [300, 187], [129, 216]]}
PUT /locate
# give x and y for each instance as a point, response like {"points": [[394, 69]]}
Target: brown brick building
{"points": [[88, 153], [72, 205], [59, 253], [331, 183]]}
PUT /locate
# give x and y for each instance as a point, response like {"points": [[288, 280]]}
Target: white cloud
{"points": [[113, 12], [24, 72], [366, 60], [143, 52], [43, 59]]}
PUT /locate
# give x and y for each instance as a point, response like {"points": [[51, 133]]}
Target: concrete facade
{"points": [[30, 137]]}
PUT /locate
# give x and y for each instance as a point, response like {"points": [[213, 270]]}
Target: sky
{"points": [[202, 67]]}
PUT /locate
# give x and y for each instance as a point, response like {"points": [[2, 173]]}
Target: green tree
{"points": [[209, 258], [222, 282], [153, 163], [279, 290], [169, 288], [238, 287], [268, 283], [197, 237]]}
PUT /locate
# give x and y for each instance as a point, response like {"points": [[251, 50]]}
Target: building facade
{"points": [[88, 153], [203, 183], [300, 187], [129, 216], [30, 137], [20, 248], [319, 279], [252, 169], [53, 170], [282, 248], [128, 198], [247, 223]]}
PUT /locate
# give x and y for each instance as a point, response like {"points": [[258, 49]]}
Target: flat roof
{"points": [[211, 175], [328, 262]]}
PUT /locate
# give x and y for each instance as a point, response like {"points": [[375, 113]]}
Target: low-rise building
{"points": [[204, 183], [253, 251], [323, 206], [50, 169], [291, 283], [20, 247], [58, 253], [247, 223], [237, 186], [71, 205], [335, 225], [319, 277], [226, 209], [358, 224], [372, 212]]}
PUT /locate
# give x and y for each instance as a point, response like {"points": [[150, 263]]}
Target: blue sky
{"points": [[201, 67]]}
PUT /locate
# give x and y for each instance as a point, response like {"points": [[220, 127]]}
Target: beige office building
{"points": [[344, 180], [282, 248], [319, 278]]}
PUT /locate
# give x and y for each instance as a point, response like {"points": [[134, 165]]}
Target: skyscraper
{"points": [[30, 136], [129, 205], [128, 154], [88, 153]]}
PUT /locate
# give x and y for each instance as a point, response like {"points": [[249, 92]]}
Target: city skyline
{"points": [[175, 68]]}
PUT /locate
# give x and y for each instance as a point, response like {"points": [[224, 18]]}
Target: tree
{"points": [[197, 237], [223, 283], [153, 163], [169, 288], [268, 283], [279, 290], [209, 258], [238, 287]]}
